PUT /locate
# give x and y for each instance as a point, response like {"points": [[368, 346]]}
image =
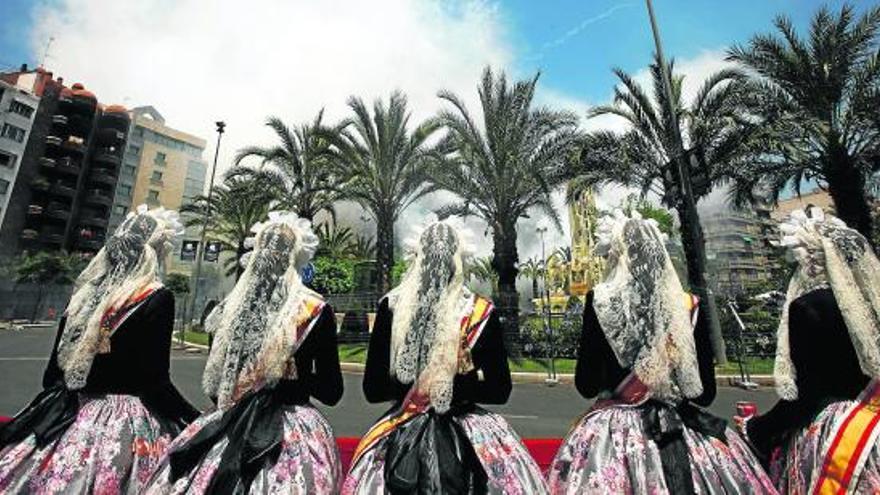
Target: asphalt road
{"points": [[534, 410]]}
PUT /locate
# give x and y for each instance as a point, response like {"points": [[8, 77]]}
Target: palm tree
{"points": [[563, 254], [235, 206], [334, 241], [531, 269], [297, 168], [382, 166], [820, 98], [503, 168], [363, 248], [717, 140], [482, 271]]}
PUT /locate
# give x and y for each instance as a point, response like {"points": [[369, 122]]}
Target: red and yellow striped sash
{"points": [[415, 402], [472, 325], [850, 445], [413, 405], [307, 317]]}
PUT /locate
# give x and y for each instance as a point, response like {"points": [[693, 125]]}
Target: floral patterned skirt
{"points": [[609, 451], [804, 454], [509, 467], [111, 447], [308, 462]]}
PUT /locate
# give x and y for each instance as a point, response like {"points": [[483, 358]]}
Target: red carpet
{"points": [[542, 449]]}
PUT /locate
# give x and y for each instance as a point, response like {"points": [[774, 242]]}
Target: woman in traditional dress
{"points": [[435, 351], [822, 436], [108, 409], [274, 349], [638, 354]]}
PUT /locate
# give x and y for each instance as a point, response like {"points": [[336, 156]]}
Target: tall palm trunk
{"points": [[504, 260], [240, 250], [384, 252], [694, 246], [846, 186]]}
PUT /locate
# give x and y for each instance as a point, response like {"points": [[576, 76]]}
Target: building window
{"points": [[135, 150], [157, 176], [160, 158], [119, 210], [153, 195], [125, 190], [20, 108], [129, 170], [7, 160], [4, 186], [9, 131]]}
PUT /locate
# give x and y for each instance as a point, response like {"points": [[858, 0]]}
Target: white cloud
{"points": [[199, 61], [695, 70]]}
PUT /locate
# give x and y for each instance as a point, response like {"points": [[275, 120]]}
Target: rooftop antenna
{"points": [[46, 51]]}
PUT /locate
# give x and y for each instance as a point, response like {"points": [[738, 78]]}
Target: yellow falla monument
{"points": [[573, 271]]}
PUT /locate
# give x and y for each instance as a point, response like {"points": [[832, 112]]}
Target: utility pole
{"points": [[200, 249], [687, 198]]}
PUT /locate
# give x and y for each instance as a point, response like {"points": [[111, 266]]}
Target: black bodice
{"points": [[598, 370], [317, 365], [826, 364], [488, 355], [137, 364]]}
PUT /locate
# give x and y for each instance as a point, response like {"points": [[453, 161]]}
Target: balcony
{"points": [[105, 157], [40, 184], [110, 136], [74, 147], [47, 162], [67, 166], [59, 189], [52, 236], [58, 213], [83, 105], [90, 244], [157, 182], [59, 120], [92, 219], [53, 140], [116, 120], [35, 211], [29, 234], [98, 197], [79, 125], [102, 177]]}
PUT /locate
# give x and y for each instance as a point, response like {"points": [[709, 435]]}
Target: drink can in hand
{"points": [[746, 408]]}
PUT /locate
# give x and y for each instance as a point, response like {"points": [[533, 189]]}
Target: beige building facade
{"points": [[162, 166]]}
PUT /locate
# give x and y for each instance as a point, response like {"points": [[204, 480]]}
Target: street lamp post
{"points": [[687, 195], [551, 380], [200, 250]]}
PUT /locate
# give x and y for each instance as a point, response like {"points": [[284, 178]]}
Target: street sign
{"points": [[188, 250], [212, 251], [307, 273]]}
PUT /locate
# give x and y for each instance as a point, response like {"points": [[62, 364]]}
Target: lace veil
{"points": [[253, 327], [830, 254], [428, 306], [640, 307], [131, 260]]}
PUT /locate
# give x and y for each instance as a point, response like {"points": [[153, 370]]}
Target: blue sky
{"points": [[574, 43]]}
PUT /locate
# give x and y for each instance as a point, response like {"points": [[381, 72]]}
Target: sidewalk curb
{"points": [[527, 377]]}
